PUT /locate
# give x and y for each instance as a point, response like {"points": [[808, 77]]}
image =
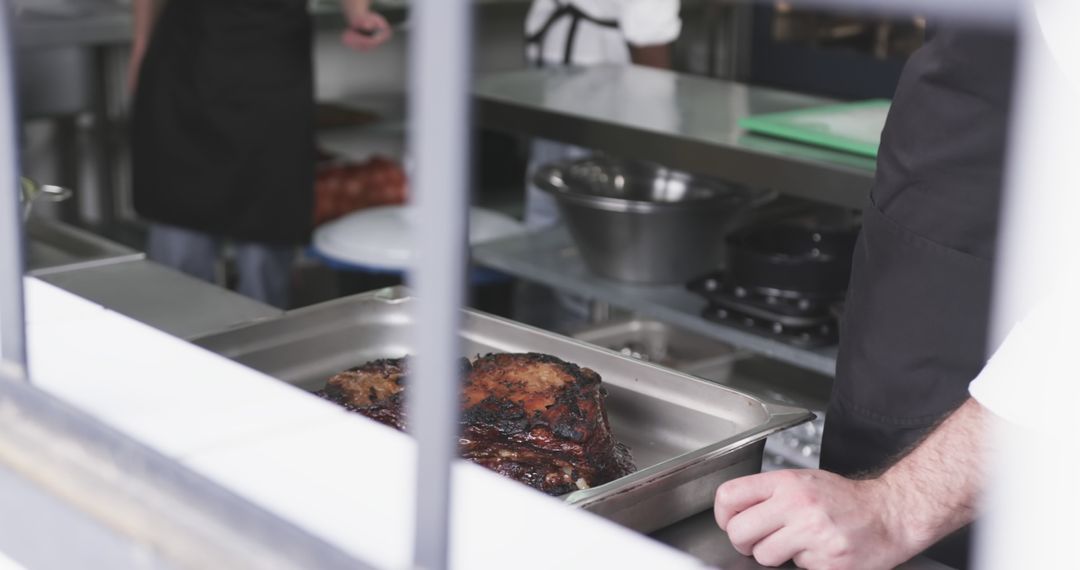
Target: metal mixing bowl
{"points": [[643, 223]]}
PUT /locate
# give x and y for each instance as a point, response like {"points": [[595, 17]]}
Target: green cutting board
{"points": [[851, 127]]}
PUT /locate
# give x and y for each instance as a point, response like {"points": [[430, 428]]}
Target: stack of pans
{"points": [[782, 281]]}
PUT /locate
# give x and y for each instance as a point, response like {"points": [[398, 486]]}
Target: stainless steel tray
{"points": [[665, 345], [687, 435]]}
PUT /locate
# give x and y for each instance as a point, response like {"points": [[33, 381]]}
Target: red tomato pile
{"points": [[344, 188]]}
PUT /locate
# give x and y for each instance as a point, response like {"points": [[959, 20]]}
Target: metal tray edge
{"points": [[781, 417]]}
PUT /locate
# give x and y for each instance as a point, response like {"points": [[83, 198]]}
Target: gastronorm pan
{"points": [[687, 435], [665, 345]]}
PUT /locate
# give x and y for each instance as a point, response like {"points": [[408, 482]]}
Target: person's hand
{"points": [[367, 30], [818, 519]]}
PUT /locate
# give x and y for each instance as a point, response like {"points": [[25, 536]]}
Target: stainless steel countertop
{"points": [[162, 298], [700, 537], [53, 246], [679, 120], [549, 257]]}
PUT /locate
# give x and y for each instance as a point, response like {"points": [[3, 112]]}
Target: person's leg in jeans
{"points": [[192, 252], [265, 272]]}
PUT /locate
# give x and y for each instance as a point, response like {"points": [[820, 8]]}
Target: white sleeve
{"points": [[1033, 379], [650, 22]]}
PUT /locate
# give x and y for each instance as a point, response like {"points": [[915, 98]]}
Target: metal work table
{"points": [[700, 537], [550, 257], [53, 246], [162, 298], [681, 121]]}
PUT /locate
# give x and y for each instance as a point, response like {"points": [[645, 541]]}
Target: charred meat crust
{"points": [[372, 389], [531, 417]]}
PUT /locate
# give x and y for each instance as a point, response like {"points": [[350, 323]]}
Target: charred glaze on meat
{"points": [[373, 389], [531, 417], [540, 420]]}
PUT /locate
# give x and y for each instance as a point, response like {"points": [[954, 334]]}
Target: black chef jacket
{"points": [[915, 325]]}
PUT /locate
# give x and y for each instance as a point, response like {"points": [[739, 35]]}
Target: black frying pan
{"points": [[791, 261]]}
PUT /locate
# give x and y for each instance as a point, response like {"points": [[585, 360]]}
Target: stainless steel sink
{"points": [[54, 246]]}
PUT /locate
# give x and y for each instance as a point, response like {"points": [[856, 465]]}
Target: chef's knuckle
{"points": [[743, 546], [804, 559], [819, 524], [724, 494], [805, 499], [742, 543], [736, 529], [840, 546], [787, 478], [723, 517], [768, 557]]}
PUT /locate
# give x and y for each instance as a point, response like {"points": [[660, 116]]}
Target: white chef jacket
{"points": [[641, 23], [1033, 378]]}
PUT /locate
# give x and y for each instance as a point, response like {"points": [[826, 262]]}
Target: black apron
{"points": [[576, 15], [223, 120], [915, 325]]}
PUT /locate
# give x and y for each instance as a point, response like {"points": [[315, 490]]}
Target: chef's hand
{"points": [[818, 519], [366, 29]]}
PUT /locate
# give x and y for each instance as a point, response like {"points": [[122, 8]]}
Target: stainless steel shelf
{"points": [[549, 257], [679, 120]]}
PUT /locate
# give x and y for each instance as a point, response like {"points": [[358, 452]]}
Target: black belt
{"points": [[576, 15]]}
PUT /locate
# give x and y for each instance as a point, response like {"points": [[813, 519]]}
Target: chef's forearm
{"points": [[934, 490], [652, 56], [143, 14], [142, 23]]}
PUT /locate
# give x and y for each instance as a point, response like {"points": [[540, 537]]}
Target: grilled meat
{"points": [[531, 417], [540, 420], [373, 389]]}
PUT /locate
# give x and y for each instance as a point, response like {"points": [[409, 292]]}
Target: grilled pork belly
{"points": [[540, 420], [373, 389], [531, 417]]}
